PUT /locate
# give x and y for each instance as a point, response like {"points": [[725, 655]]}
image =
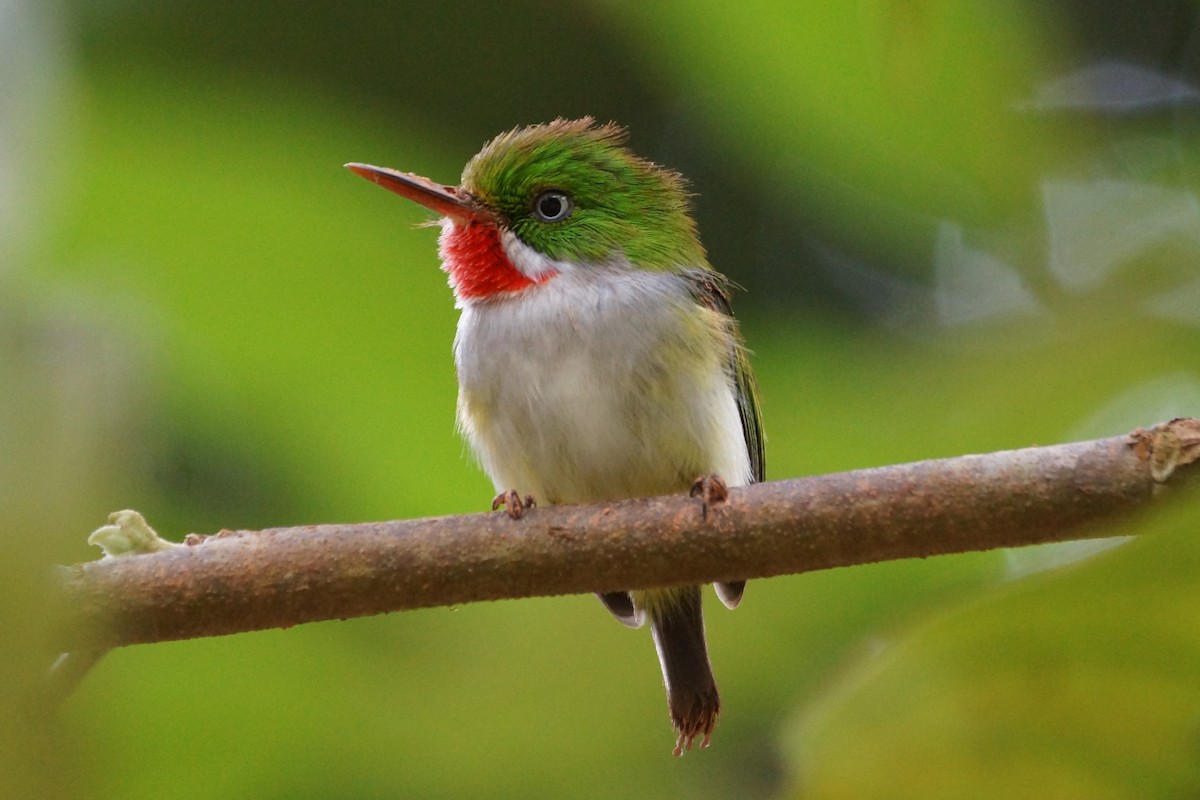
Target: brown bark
{"points": [[240, 581]]}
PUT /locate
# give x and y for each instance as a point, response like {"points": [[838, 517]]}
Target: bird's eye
{"points": [[553, 205]]}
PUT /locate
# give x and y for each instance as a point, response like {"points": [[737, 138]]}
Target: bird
{"points": [[597, 355]]}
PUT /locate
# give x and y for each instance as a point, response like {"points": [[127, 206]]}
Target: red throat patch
{"points": [[477, 263]]}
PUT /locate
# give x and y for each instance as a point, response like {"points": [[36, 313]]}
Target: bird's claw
{"points": [[712, 491], [515, 505]]}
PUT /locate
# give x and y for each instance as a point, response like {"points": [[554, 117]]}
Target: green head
{"points": [[573, 191]]}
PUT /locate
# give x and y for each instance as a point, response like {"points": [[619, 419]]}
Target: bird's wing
{"points": [[712, 290]]}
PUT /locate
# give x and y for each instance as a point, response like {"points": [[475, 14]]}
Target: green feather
{"points": [[624, 205]]}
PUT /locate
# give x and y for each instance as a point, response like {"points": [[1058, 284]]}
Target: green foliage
{"points": [[1076, 684], [216, 324]]}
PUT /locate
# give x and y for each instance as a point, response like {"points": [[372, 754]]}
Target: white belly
{"points": [[598, 384]]}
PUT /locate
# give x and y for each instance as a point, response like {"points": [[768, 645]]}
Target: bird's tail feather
{"points": [[677, 622]]}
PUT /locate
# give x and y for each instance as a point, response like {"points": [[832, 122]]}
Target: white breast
{"points": [[603, 382]]}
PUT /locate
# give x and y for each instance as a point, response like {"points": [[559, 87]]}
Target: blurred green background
{"points": [[961, 227]]}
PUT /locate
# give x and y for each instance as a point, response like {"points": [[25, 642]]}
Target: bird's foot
{"points": [[515, 504], [712, 491]]}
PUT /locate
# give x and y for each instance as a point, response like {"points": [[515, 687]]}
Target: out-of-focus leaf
{"points": [[1077, 683], [303, 322], [910, 99]]}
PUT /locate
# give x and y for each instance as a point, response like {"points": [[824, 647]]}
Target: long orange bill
{"points": [[449, 201]]}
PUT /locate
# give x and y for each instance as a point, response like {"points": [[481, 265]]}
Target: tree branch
{"points": [[240, 581]]}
